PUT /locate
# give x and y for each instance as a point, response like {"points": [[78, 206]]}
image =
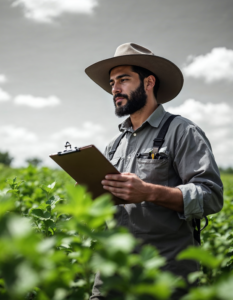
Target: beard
{"points": [[135, 102]]}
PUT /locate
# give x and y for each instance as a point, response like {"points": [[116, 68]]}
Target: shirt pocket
{"points": [[153, 170]]}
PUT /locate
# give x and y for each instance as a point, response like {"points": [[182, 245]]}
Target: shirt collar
{"points": [[154, 119]]}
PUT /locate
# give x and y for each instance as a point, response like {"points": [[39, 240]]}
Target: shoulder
{"points": [[184, 130], [110, 144], [184, 125], [112, 141]]}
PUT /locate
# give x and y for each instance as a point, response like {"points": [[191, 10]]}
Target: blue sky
{"points": [[45, 45]]}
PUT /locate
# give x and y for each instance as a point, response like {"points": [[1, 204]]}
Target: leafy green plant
{"points": [[54, 238], [52, 247]]}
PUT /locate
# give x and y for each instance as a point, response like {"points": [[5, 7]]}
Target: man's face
{"points": [[128, 91]]}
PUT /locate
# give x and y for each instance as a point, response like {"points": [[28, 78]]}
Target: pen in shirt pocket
{"points": [[151, 154]]}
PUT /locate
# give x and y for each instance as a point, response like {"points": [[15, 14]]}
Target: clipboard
{"points": [[87, 166]]}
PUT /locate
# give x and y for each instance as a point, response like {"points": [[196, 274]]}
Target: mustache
{"points": [[120, 95]]}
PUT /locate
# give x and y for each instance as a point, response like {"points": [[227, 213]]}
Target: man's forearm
{"points": [[165, 196]]}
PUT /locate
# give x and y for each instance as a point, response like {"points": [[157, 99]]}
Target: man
{"points": [[166, 187]]}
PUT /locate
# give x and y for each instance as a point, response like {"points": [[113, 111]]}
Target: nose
{"points": [[116, 89]]}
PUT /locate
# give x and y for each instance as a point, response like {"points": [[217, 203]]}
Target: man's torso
{"points": [[151, 223]]}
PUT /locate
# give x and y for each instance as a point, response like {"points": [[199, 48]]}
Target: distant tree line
{"points": [[34, 161], [228, 170], [6, 159]]}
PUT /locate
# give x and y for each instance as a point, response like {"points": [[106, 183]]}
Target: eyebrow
{"points": [[120, 76]]}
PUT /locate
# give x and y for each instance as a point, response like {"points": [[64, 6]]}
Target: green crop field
{"points": [[53, 238]]}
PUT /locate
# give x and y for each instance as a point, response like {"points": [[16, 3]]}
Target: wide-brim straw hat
{"points": [[170, 76]]}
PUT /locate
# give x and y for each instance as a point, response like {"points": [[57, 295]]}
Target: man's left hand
{"points": [[126, 186]]}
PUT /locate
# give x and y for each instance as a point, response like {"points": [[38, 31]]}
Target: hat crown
{"points": [[131, 49]]}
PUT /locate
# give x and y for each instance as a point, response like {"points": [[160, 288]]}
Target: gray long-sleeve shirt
{"points": [[188, 164]]}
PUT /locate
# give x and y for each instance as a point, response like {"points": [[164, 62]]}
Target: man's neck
{"points": [[140, 116]]}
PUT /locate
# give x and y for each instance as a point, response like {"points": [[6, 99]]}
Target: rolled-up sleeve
{"points": [[201, 186]]}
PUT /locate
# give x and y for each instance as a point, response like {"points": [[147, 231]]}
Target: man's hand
{"points": [[132, 189], [126, 186]]}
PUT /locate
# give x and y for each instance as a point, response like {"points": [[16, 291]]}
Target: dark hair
{"points": [[144, 73]]}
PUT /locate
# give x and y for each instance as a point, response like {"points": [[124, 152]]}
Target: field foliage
{"points": [[53, 238]]}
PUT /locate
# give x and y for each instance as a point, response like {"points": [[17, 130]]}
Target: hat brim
{"points": [[170, 76]]}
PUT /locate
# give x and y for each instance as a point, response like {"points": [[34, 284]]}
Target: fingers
{"points": [[123, 180], [118, 177], [120, 185], [111, 189], [121, 196], [118, 192], [113, 183]]}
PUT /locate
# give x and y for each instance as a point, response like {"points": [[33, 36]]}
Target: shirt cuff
{"points": [[193, 201]]}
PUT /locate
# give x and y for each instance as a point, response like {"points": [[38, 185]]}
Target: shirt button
{"points": [[129, 157], [134, 134]]}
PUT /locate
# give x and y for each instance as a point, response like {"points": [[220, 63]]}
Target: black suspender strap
{"points": [[197, 228], [158, 142], [116, 144], [206, 223]]}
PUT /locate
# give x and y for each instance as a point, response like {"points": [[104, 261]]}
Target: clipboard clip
{"points": [[67, 151], [67, 145]]}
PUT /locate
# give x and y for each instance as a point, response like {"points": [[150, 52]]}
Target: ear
{"points": [[149, 83]]}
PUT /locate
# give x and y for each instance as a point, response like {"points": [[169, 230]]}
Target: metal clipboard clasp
{"points": [[67, 145], [67, 151]]}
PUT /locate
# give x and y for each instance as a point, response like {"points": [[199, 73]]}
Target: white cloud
{"points": [[47, 10], [12, 135], [36, 102], [216, 121], [4, 96], [87, 134], [3, 78], [86, 131], [214, 66], [213, 115], [23, 143]]}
